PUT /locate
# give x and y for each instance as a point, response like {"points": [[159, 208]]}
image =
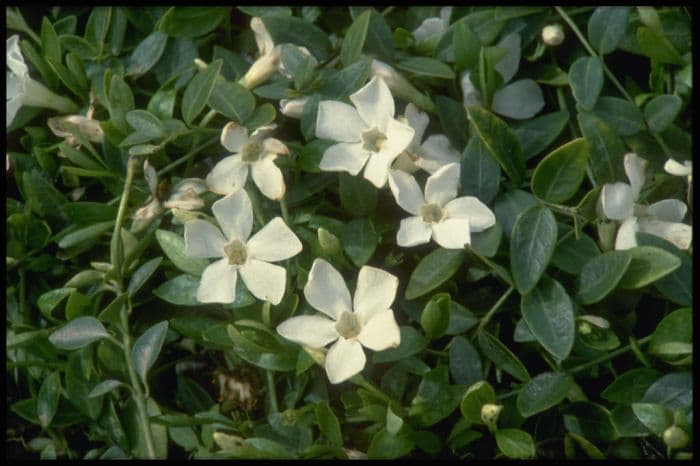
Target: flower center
{"points": [[348, 326], [252, 151], [432, 213], [373, 140], [236, 252]]}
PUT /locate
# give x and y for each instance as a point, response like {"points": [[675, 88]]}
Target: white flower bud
{"points": [[675, 437], [262, 69], [490, 413], [553, 35], [293, 108]]}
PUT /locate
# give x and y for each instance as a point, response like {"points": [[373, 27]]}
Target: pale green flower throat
{"points": [[348, 326], [252, 151], [373, 140], [236, 252]]}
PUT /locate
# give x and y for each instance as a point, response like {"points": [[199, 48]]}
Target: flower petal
{"points": [[228, 175], [265, 281], [274, 242], [441, 186], [344, 157], [398, 138], [679, 234], [634, 167], [679, 169], [418, 121], [275, 146], [235, 215], [234, 137], [406, 191], [312, 331], [470, 95], [375, 104], [375, 292], [326, 290], [268, 178], [203, 240], [626, 234], [339, 122], [377, 169], [380, 332], [668, 210], [345, 359], [218, 283], [429, 27], [436, 152], [452, 233], [412, 232], [262, 36], [14, 57], [469, 207], [11, 108], [617, 201]]}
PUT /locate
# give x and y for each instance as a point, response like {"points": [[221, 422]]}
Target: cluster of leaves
{"points": [[534, 341]]}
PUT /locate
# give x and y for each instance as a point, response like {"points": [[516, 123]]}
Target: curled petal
{"points": [[234, 137], [626, 234], [418, 121]]}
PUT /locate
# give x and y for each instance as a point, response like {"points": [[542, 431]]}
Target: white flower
{"points": [[674, 168], [365, 321], [432, 154], [293, 108], [438, 214], [433, 26], [618, 201], [553, 35], [238, 254], [470, 94], [22, 90], [65, 126], [367, 134], [257, 152]]}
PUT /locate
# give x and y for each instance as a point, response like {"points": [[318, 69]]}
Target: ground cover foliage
{"points": [[257, 232]]}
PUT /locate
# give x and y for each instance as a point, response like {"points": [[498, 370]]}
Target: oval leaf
{"points": [[78, 333], [660, 112], [586, 80], [605, 150], [549, 315], [600, 275], [198, 91], [147, 348], [648, 265], [532, 243], [433, 270], [232, 100], [543, 392], [501, 356], [515, 443], [558, 176], [173, 246], [606, 27], [47, 399]]}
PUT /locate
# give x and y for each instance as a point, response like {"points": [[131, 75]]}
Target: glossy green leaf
{"points": [[360, 240], [466, 46], [147, 54], [50, 45], [192, 21], [232, 100], [121, 100], [675, 327], [657, 47], [412, 342], [571, 254], [436, 316], [674, 391], [655, 417], [173, 246], [427, 67], [501, 356], [600, 275], [433, 270], [179, 290], [660, 112], [480, 175], [591, 421], [631, 386], [453, 119], [515, 443], [357, 195], [48, 301], [387, 446], [465, 362], [623, 117], [328, 424], [477, 395], [543, 392], [147, 348], [47, 399], [605, 150], [104, 387], [549, 315], [354, 40], [606, 27], [558, 176], [293, 30], [78, 333], [648, 265], [586, 80], [510, 205], [537, 134], [532, 243], [142, 274], [198, 91], [379, 38], [146, 124], [677, 285]]}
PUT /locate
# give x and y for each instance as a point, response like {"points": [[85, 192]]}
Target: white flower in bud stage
{"points": [[618, 201], [293, 108], [434, 153], [239, 254], [438, 214], [257, 153], [367, 320], [433, 26], [21, 89], [685, 169], [553, 35], [368, 135]]}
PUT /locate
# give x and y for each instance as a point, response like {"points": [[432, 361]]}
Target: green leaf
{"points": [[476, 396], [436, 316], [142, 274], [104, 387], [117, 31], [354, 40], [501, 356], [192, 21], [586, 80], [605, 150], [549, 315], [293, 30], [47, 399], [50, 45], [532, 243], [648, 265], [606, 28], [601, 274], [121, 100], [328, 424], [78, 333], [79, 46], [675, 327], [453, 119], [48, 301], [85, 234], [173, 246], [387, 446], [465, 363], [631, 386], [146, 124], [198, 91], [499, 141], [558, 176], [232, 100], [655, 417], [480, 175], [676, 286], [146, 54], [425, 66], [379, 38], [357, 195], [544, 391], [590, 420], [180, 290], [515, 443], [657, 47], [466, 46], [571, 254], [97, 27], [433, 270], [147, 348], [660, 112], [412, 342], [536, 134], [623, 117], [674, 391], [360, 240]]}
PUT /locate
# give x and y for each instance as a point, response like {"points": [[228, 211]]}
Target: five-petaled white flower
{"points": [[21, 89], [367, 133], [438, 214], [435, 152], [257, 152], [618, 201], [365, 321], [433, 26], [249, 257]]}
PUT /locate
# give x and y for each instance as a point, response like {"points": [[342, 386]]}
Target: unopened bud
{"points": [[553, 35], [606, 235], [675, 437], [490, 413], [293, 108], [260, 71]]}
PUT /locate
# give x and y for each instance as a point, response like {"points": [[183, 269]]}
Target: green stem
{"points": [[272, 391], [360, 381], [117, 248], [495, 308], [187, 156], [608, 356], [266, 313], [285, 212]]}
